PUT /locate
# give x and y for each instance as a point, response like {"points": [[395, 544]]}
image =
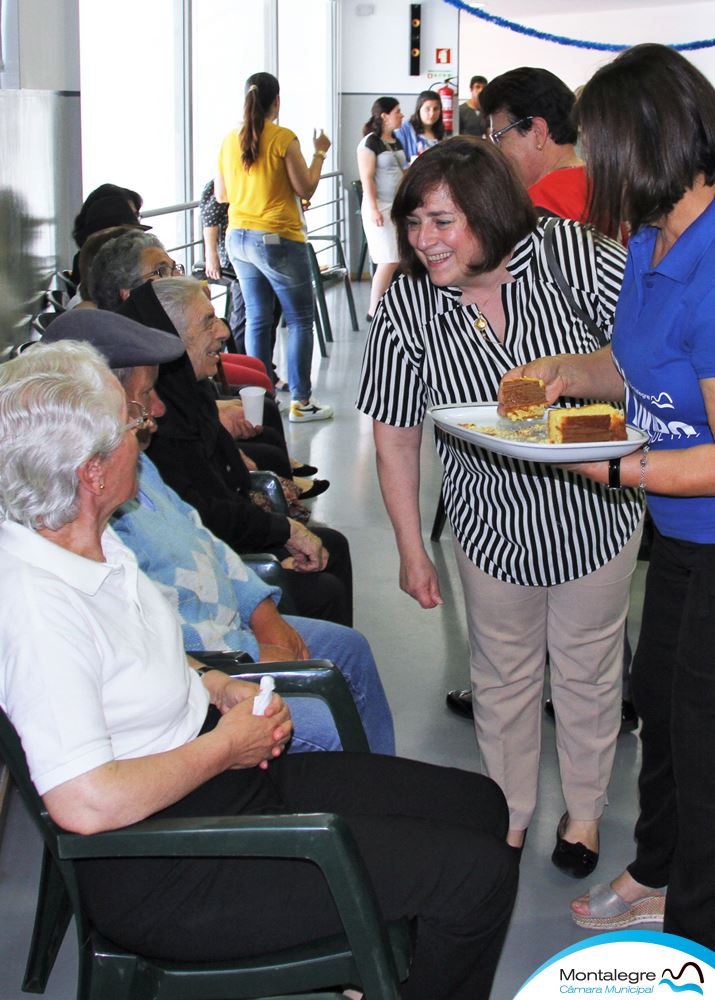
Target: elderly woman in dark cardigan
{"points": [[198, 458]]}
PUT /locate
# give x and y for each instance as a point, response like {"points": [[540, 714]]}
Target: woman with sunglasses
{"points": [[530, 115]]}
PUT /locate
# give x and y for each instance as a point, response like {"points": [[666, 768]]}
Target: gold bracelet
{"points": [[320, 153], [643, 463]]}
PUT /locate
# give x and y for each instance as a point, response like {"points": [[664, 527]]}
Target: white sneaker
{"points": [[312, 410]]}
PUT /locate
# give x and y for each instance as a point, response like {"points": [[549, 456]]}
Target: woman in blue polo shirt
{"points": [[648, 121]]}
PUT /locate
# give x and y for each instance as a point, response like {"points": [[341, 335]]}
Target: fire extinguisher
{"points": [[447, 96]]}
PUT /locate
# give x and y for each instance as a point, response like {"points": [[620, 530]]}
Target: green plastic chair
{"points": [[268, 567], [370, 955]]}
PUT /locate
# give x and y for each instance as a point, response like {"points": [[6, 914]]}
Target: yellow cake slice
{"points": [[585, 424]]}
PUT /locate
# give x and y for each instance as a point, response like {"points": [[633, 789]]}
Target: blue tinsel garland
{"points": [[545, 36]]}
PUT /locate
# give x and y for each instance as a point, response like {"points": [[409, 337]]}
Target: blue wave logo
{"points": [[685, 987]]}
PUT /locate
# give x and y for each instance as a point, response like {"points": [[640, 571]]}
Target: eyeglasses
{"points": [[139, 419], [166, 270], [496, 136]]}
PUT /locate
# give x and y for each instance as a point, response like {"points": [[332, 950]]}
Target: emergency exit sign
{"points": [[443, 57]]}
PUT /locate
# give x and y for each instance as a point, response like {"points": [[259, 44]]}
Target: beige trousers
{"points": [[581, 625]]}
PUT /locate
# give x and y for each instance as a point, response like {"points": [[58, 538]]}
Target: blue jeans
{"points": [[282, 267], [350, 651]]}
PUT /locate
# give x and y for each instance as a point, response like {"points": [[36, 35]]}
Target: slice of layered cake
{"points": [[522, 398], [585, 424]]}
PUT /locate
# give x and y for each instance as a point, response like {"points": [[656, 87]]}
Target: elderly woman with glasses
{"points": [[126, 262], [117, 725], [545, 557], [530, 121]]}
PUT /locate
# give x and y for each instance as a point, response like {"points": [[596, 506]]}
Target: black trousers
{"points": [[327, 595], [432, 839], [673, 681]]}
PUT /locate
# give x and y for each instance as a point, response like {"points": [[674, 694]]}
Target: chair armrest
{"points": [[269, 568], [303, 678], [270, 484], [323, 838]]}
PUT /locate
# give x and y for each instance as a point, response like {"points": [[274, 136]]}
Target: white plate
{"points": [[449, 417]]}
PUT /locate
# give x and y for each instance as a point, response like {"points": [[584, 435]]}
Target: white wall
{"points": [[375, 54], [490, 50], [49, 44], [40, 164], [375, 61]]}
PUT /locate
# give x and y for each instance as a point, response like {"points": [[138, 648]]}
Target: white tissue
{"points": [[264, 697]]}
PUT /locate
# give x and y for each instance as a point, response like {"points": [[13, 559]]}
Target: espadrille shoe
{"points": [[610, 912]]}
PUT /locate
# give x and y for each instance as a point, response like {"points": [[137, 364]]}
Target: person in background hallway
{"points": [[529, 113], [106, 206], [262, 175], [424, 128], [381, 163], [214, 223], [471, 118]]}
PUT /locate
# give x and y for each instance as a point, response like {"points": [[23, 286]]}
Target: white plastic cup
{"points": [[252, 397]]}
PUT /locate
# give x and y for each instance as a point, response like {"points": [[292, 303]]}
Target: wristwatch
{"points": [[614, 474]]}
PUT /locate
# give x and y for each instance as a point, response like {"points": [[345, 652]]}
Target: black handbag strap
{"points": [[559, 277]]}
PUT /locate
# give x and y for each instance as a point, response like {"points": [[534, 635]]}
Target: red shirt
{"points": [[562, 192]]}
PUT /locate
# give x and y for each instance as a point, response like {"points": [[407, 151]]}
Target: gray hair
{"points": [[59, 406], [117, 266], [175, 295]]}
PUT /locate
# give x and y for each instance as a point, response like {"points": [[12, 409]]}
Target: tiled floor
{"points": [[421, 654]]}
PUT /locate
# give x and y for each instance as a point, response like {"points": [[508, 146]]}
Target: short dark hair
{"points": [[477, 79], [417, 123], [648, 123], [482, 184], [529, 92]]}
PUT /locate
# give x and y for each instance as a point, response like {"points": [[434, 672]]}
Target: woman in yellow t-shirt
{"points": [[262, 175]]}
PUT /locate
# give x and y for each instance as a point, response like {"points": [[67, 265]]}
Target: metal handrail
{"points": [[152, 213], [336, 223]]}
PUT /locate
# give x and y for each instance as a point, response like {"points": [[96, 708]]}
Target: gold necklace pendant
{"points": [[480, 323]]}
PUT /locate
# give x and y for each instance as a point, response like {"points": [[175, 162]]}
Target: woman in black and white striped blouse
{"points": [[545, 556]]}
